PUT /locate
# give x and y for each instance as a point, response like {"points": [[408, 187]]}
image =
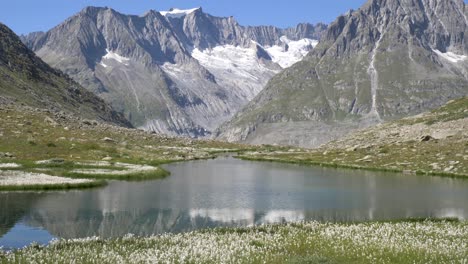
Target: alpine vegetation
{"points": [[9, 165], [312, 242], [21, 180], [117, 170]]}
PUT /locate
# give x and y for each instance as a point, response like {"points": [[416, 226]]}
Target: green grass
{"points": [[74, 142]]}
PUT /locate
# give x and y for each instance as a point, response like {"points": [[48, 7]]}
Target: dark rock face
{"points": [[144, 65], [386, 60], [27, 79]]}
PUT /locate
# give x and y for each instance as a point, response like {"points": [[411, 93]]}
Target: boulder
{"points": [[426, 138]]}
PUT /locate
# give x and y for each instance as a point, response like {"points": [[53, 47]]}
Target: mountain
{"points": [[26, 79], [179, 72], [386, 60]]}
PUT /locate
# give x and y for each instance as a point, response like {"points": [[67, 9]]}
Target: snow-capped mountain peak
{"points": [[178, 13], [178, 72]]}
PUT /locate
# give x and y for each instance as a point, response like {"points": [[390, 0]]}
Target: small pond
{"points": [[226, 192]]}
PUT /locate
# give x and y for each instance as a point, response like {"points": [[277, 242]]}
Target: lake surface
{"points": [[226, 192]]}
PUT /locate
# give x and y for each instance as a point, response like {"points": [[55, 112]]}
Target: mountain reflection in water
{"points": [[227, 192]]}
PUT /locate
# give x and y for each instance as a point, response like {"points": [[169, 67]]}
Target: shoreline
{"points": [[70, 175], [160, 173], [354, 167], [53, 187]]}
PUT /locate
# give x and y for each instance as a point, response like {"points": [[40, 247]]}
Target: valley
{"points": [[182, 137]]}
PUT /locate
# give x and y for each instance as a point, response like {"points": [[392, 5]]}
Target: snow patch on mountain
{"points": [[114, 56], [237, 67], [177, 13], [291, 51], [450, 56]]}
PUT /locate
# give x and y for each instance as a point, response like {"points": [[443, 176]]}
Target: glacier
{"points": [[295, 51]]}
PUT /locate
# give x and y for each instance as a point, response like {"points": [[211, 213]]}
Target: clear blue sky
{"points": [[25, 16]]}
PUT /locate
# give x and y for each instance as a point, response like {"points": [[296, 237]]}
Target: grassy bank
{"points": [[30, 135], [70, 146], [53, 187], [293, 160], [314, 242], [159, 173], [433, 143], [59, 174]]}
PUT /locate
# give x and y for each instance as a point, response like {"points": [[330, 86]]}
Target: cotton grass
{"points": [[20, 178], [312, 242], [9, 165], [120, 169]]}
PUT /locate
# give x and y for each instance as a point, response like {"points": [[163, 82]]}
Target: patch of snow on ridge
{"points": [[296, 51], [178, 13], [450, 56], [114, 56]]}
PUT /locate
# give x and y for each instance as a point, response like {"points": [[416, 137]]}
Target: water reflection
{"points": [[229, 192], [13, 206]]}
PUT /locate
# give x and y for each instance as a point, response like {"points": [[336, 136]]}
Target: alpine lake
{"points": [[226, 192]]}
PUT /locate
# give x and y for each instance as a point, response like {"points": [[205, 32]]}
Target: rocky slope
{"points": [[26, 79], [386, 60], [434, 143], [179, 72]]}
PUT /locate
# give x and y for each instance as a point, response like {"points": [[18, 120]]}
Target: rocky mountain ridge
{"points": [[26, 79], [179, 72], [386, 60]]}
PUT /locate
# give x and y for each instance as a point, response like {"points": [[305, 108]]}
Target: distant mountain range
{"points": [[185, 72], [178, 72], [26, 79], [386, 60]]}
